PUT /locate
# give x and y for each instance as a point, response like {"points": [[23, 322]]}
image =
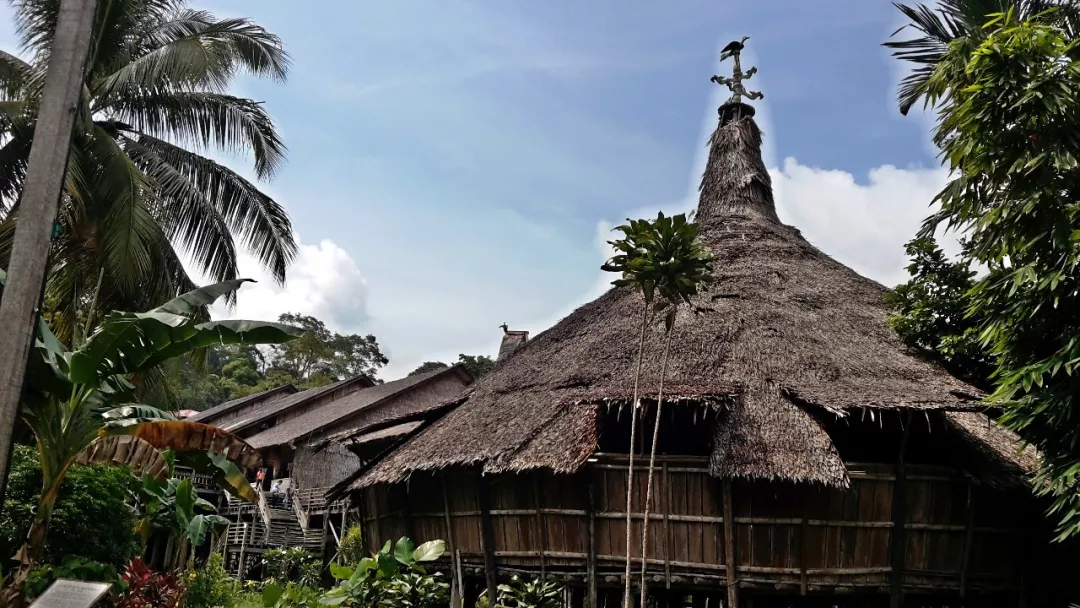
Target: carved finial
{"points": [[505, 327], [735, 83]]}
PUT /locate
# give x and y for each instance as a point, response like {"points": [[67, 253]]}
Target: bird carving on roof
{"points": [[735, 83]]}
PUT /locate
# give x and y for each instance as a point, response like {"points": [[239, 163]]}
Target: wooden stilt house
{"points": [[807, 457]]}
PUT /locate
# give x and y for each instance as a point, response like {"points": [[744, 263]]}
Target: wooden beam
{"points": [[487, 536], [969, 538], [590, 560], [541, 522], [456, 591], [805, 546], [898, 555], [668, 548], [730, 563]]}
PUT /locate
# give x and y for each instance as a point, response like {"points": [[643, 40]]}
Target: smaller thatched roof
{"points": [[299, 429], [1004, 461], [278, 392], [301, 399]]}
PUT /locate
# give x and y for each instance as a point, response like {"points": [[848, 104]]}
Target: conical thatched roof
{"points": [[785, 330]]}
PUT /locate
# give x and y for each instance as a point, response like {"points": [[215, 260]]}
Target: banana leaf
{"points": [[127, 342], [226, 474], [186, 436], [140, 456]]}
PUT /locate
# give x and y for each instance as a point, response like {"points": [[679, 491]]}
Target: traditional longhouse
{"points": [[311, 440], [805, 452]]}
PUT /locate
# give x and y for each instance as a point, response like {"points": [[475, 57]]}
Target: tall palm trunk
{"points": [[652, 465], [633, 432]]}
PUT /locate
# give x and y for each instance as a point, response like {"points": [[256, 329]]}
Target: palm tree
{"points": [[662, 257], [956, 22], [140, 196]]}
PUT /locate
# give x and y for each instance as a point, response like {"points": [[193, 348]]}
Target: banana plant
{"points": [[393, 576], [77, 401]]}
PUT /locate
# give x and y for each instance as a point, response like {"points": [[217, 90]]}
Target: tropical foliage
{"points": [[210, 586], [145, 588], [666, 262], [1007, 130], [392, 577], [527, 592], [931, 312], [476, 365], [351, 547], [320, 356], [292, 565], [75, 404], [142, 193], [955, 27], [92, 517]]}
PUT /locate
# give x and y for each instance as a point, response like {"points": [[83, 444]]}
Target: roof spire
{"points": [[734, 106], [736, 182]]}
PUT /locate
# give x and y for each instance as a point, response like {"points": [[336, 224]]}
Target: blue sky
{"points": [[456, 164]]}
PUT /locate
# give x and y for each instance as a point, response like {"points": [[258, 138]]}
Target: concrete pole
{"points": [[37, 208]]}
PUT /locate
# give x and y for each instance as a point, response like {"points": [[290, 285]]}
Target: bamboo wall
{"points": [[958, 537]]}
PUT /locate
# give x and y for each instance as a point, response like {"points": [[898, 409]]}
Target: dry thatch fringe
{"points": [[784, 324], [1004, 462]]}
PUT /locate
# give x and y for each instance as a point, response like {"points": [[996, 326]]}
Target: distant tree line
{"points": [[477, 365], [319, 357]]}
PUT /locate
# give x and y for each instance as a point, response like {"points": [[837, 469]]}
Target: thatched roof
{"points": [[302, 399], [785, 331], [299, 429], [208, 415]]}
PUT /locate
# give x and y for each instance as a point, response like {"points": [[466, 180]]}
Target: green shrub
{"points": [[74, 568], [92, 517], [395, 577], [210, 586], [292, 565], [529, 592], [351, 548]]}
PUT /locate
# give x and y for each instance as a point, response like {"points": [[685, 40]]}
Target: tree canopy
{"points": [[1009, 131], [143, 196], [476, 365], [931, 312]]}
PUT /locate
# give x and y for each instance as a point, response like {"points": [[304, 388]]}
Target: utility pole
{"points": [[45, 172]]}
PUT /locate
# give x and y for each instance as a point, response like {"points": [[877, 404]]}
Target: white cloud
{"points": [[863, 225], [323, 281]]}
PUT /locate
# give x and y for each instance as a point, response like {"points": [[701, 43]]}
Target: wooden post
{"points": [[45, 174], [969, 538], [590, 564], [456, 590], [487, 535], [243, 547], [731, 564], [406, 513], [898, 555], [541, 523], [805, 549], [668, 542]]}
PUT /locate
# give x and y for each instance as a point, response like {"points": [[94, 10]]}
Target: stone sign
{"points": [[65, 593]]}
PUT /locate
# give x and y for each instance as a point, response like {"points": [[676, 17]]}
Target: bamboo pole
{"points": [[969, 538], [898, 555], [590, 563], [487, 534], [541, 524], [669, 542], [455, 555], [731, 564]]}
